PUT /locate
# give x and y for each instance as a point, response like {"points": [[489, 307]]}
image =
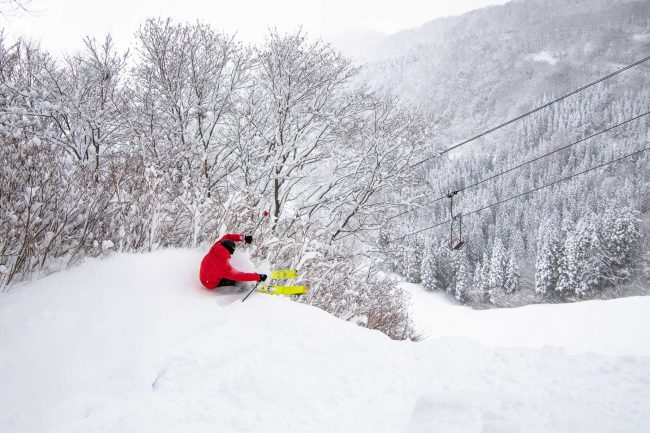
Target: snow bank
{"points": [[134, 344]]}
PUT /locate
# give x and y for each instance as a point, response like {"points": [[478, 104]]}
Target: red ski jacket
{"points": [[215, 265]]}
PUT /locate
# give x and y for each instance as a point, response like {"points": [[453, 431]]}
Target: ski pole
{"points": [[252, 290], [253, 232]]}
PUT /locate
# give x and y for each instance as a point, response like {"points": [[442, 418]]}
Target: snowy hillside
{"points": [[133, 344]]}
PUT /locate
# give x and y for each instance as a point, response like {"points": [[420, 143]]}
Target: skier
{"points": [[216, 270]]}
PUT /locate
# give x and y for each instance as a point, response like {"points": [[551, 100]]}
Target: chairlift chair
{"points": [[455, 242]]}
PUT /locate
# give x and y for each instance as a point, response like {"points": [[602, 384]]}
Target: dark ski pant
{"points": [[227, 282]]}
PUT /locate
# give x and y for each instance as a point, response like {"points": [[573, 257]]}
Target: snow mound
{"points": [[134, 344]]}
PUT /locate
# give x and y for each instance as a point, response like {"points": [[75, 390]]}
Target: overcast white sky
{"points": [[61, 24]]}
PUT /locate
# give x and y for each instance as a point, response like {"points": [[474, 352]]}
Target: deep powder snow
{"points": [[134, 344]]}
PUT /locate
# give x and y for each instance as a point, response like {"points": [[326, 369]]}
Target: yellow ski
{"points": [[283, 290], [284, 274], [288, 274]]}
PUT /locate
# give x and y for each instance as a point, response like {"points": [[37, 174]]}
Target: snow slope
{"points": [[612, 327], [133, 344]]}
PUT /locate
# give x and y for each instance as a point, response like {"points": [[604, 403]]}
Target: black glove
{"points": [[262, 277], [248, 239]]}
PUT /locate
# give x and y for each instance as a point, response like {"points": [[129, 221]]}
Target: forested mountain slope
{"points": [[576, 238]]}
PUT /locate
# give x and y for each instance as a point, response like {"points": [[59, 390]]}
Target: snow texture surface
{"points": [[134, 344]]}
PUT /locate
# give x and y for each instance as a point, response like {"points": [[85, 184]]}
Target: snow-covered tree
{"points": [[620, 239], [298, 98], [182, 99], [548, 259], [581, 267], [462, 278], [497, 274], [413, 266], [481, 279], [429, 268], [512, 277]]}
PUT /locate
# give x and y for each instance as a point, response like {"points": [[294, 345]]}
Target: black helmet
{"points": [[229, 245]]}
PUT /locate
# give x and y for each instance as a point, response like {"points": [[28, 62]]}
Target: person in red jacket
{"points": [[216, 270]]}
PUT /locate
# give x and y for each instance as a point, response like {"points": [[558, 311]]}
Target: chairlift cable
{"points": [[475, 211], [528, 113], [528, 162]]}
